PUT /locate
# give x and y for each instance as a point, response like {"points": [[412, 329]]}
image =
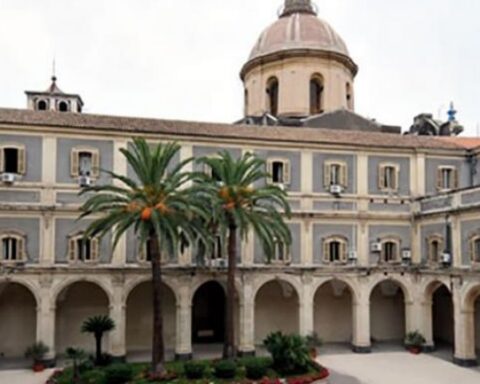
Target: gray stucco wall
{"points": [[323, 231], [30, 227], [33, 154], [133, 249], [382, 207], [431, 167], [334, 205], [19, 196], [295, 166], [319, 160], [429, 230], [66, 227], [64, 149], [403, 177], [468, 229], [378, 232], [295, 248]]}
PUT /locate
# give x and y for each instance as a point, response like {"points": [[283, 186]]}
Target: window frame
{"points": [[21, 250], [75, 161], [326, 255], [441, 244], [21, 158], [474, 256], [382, 167], [397, 242], [272, 104], [287, 170], [72, 249], [453, 178], [327, 173], [318, 81], [287, 259], [142, 254]]}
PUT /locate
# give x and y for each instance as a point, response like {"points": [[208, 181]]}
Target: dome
{"points": [[298, 30]]}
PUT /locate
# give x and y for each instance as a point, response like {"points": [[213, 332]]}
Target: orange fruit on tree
{"points": [[224, 193], [146, 214], [162, 208]]}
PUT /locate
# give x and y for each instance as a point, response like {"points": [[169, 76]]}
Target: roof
{"points": [[301, 136], [465, 142]]}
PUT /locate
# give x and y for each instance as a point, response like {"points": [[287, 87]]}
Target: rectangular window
{"points": [[217, 249], [85, 163], [334, 251], [10, 156], [335, 173], [390, 251], [447, 178], [279, 171], [84, 250], [388, 177], [281, 254], [10, 249], [476, 253]]}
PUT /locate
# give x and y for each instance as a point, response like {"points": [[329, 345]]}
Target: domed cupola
{"points": [[299, 67]]}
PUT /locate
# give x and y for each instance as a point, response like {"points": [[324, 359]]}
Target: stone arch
{"points": [[198, 281], [75, 301], [65, 283], [272, 297], [134, 283], [28, 284], [260, 281], [333, 301], [139, 317], [388, 313], [18, 314], [350, 283], [471, 318], [400, 281]]}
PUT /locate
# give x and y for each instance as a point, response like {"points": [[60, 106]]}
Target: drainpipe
{"points": [[447, 261]]}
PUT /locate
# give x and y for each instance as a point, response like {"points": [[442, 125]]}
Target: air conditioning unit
{"points": [[446, 259], [406, 254], [219, 263], [336, 189], [376, 247], [84, 181], [8, 178], [352, 255]]}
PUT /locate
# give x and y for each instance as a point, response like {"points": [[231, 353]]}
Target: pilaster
{"points": [[183, 343], [247, 320], [306, 306], [46, 318], [361, 322], [116, 338]]}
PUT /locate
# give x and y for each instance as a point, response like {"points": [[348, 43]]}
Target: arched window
{"points": [[435, 248], [390, 251], [42, 105], [335, 250], [281, 254], [13, 247], [63, 106], [272, 96], [83, 249], [316, 95], [349, 96], [245, 112]]}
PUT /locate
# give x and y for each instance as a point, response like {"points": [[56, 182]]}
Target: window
{"points": [[85, 162], [63, 106], [316, 95], [245, 112], [279, 171], [349, 96], [475, 249], [390, 251], [388, 177], [281, 254], [12, 159], [13, 248], [335, 173], [272, 96], [335, 250], [435, 248], [145, 256], [83, 249], [42, 105], [447, 178], [217, 249]]}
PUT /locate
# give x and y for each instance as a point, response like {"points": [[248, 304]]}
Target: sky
{"points": [[180, 60]]}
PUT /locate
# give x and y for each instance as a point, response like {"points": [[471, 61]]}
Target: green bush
{"points": [[93, 376], [194, 369], [415, 339], [289, 353], [255, 368], [225, 369], [118, 374]]}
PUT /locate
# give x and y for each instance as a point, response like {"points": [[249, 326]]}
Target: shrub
{"points": [[92, 377], [225, 369], [255, 368], [118, 374], [37, 351], [289, 352], [194, 369], [414, 339]]}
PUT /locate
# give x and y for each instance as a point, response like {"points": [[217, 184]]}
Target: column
{"points": [[413, 312], [49, 167], [46, 320], [306, 307], [361, 324], [183, 341], [464, 323], [117, 337], [427, 329], [247, 321]]}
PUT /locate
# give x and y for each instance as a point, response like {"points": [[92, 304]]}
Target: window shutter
{"points": [[344, 176], [327, 175], [2, 150], [326, 251], [21, 254], [471, 248], [396, 177], [269, 170], [381, 177], [439, 178], [455, 183], [21, 161], [95, 164], [343, 251], [94, 249], [286, 172], [72, 251], [74, 159]]}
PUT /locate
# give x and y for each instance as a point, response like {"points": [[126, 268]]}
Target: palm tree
{"points": [[76, 355], [159, 204], [241, 201], [98, 325]]}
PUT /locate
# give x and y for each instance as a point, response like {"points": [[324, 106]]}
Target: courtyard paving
{"points": [[24, 376]]}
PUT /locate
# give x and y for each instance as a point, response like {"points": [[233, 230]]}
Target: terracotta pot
{"points": [[38, 367], [313, 353], [414, 350]]}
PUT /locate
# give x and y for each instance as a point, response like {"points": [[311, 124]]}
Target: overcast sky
{"points": [[180, 59]]}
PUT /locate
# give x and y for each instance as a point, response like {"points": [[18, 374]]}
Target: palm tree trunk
{"points": [[158, 353], [98, 349], [229, 350]]}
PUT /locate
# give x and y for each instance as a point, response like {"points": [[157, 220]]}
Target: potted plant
{"points": [[414, 342], [37, 352], [313, 342]]}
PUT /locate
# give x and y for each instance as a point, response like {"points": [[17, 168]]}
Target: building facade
{"points": [[386, 227]]}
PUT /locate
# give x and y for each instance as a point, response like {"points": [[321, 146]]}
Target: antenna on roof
{"points": [[54, 76]]}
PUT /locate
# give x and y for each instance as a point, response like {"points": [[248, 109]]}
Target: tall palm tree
{"points": [[98, 325], [159, 204], [242, 200]]}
